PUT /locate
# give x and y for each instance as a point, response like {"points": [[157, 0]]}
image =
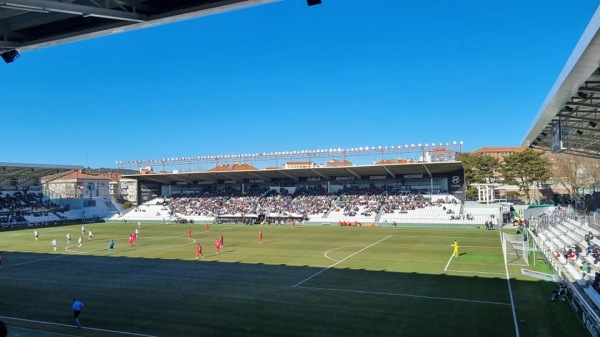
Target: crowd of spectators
{"points": [[304, 202], [24, 201], [254, 202], [15, 206]]}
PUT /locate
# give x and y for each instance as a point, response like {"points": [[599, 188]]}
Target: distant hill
{"points": [[105, 170]]}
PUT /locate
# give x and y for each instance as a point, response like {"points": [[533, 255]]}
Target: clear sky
{"points": [[285, 76]]}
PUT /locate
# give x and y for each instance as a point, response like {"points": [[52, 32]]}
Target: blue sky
{"points": [[285, 76]]}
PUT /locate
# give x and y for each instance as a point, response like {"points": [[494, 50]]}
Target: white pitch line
{"points": [[34, 261], [403, 295], [331, 250], [512, 301], [38, 331], [72, 326], [448, 264], [474, 272], [340, 261]]}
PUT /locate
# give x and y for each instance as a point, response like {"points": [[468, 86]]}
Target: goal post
{"points": [[515, 249]]}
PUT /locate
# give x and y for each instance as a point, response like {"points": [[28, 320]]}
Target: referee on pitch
{"points": [[77, 306]]}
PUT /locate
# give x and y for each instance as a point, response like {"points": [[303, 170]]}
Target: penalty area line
{"points": [[73, 326], [340, 261], [448, 264], [334, 249], [369, 292]]}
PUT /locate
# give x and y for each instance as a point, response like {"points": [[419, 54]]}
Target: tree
{"points": [[525, 169], [478, 169], [574, 173], [592, 168]]}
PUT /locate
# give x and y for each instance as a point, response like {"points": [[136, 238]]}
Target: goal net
{"points": [[515, 249]]}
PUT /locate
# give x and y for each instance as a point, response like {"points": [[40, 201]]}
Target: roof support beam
{"points": [[289, 175], [575, 117], [390, 172], [73, 9], [320, 174], [584, 105], [353, 173], [594, 89]]}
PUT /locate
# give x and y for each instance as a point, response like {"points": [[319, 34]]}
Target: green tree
{"points": [[478, 169], [525, 169]]}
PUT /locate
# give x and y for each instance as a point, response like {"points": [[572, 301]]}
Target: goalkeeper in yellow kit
{"points": [[455, 245]]}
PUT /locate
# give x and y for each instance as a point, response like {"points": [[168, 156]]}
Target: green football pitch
{"points": [[307, 281]]}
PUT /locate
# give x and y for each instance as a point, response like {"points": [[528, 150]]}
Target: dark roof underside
{"points": [[25, 175], [574, 100], [394, 170], [33, 24]]}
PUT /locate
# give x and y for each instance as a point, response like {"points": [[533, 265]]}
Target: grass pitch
{"points": [[308, 281]]}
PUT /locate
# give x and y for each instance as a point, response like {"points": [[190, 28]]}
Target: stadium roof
{"points": [[33, 24], [30, 172], [574, 99], [325, 173]]}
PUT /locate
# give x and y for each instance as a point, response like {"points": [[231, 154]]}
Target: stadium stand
{"points": [[353, 205], [572, 247]]}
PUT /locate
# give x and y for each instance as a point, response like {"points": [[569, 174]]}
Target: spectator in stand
{"points": [[586, 267], [577, 249], [590, 248]]}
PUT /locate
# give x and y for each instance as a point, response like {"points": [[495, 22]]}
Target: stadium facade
{"points": [[425, 178]]}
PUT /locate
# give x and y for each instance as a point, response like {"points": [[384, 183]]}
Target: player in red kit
{"points": [[221, 240], [189, 233], [131, 240], [207, 227], [199, 251], [260, 237], [217, 246], [294, 224]]}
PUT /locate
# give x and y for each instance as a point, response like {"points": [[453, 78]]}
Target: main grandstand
{"points": [[388, 192]]}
